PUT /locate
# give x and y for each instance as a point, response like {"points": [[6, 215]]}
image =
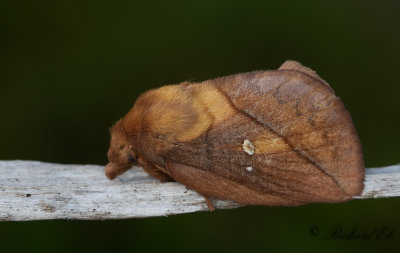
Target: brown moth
{"points": [[277, 137]]}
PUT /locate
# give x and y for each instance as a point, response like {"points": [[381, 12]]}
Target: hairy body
{"points": [[278, 137]]}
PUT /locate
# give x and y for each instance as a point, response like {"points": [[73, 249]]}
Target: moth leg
{"points": [[209, 204], [112, 170], [155, 172]]}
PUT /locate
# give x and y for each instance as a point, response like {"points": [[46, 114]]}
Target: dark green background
{"points": [[69, 69]]}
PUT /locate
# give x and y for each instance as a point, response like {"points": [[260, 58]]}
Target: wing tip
{"points": [[298, 67]]}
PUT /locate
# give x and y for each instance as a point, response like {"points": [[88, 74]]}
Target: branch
{"points": [[31, 190]]}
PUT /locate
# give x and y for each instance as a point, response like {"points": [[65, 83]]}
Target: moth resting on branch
{"points": [[277, 137]]}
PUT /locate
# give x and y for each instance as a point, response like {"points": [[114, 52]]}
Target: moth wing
{"points": [[303, 110], [210, 184], [305, 145], [294, 65]]}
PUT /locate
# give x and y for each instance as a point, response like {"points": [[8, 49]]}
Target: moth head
{"points": [[121, 154]]}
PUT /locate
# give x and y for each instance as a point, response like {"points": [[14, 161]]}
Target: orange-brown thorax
{"points": [[161, 118]]}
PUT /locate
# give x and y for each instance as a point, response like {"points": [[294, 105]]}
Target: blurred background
{"points": [[70, 69]]}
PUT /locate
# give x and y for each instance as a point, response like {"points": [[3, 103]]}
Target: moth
{"points": [[277, 138]]}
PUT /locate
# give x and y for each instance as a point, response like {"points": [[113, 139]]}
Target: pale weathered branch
{"points": [[32, 190]]}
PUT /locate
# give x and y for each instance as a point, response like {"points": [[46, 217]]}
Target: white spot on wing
{"points": [[248, 147], [249, 169]]}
